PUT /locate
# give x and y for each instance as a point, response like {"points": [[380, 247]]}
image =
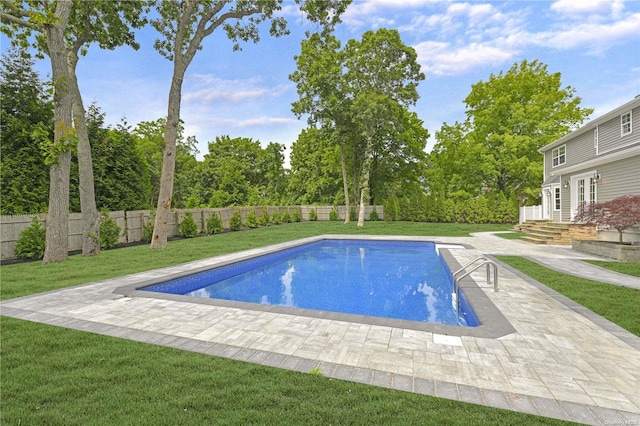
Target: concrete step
{"points": [[533, 240]]}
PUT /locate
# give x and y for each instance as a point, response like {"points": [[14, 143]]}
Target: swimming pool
{"points": [[402, 280]]}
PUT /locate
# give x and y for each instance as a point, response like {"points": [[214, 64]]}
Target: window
{"points": [[625, 124], [592, 190], [556, 201], [558, 156]]}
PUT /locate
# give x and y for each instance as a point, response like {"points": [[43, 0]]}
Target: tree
{"points": [[620, 213], [26, 108], [64, 29], [183, 26], [509, 117]]}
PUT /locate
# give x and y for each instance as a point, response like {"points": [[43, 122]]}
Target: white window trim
{"points": [[553, 197], [574, 190], [622, 133], [595, 139], [557, 149]]}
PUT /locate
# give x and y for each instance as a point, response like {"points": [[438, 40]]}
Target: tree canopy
{"points": [[509, 117]]}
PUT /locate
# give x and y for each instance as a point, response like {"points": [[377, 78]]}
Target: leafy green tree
{"points": [[25, 107], [64, 30], [183, 26], [509, 117], [360, 94], [315, 169]]}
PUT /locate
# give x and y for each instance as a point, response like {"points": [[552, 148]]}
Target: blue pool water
{"points": [[391, 279]]}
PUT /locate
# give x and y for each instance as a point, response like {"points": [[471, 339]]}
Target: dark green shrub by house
{"points": [[31, 242], [286, 216], [147, 229], [235, 223], [313, 215], [252, 220], [109, 232], [188, 227], [333, 214], [214, 224], [373, 216], [297, 215]]}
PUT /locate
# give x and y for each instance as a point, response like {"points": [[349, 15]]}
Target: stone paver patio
{"points": [[562, 361]]}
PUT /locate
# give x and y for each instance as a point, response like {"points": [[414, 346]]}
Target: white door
{"points": [[583, 191]]}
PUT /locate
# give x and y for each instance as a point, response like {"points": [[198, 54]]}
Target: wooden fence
{"points": [[131, 222]]}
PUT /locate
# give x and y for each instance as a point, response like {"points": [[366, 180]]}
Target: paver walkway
{"points": [[562, 361]]}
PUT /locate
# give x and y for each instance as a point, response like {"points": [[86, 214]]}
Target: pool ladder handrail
{"points": [[486, 261]]}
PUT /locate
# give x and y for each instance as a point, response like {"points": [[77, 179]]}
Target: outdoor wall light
{"points": [[596, 178], [567, 184]]}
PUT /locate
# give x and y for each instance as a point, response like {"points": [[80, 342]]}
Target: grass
{"points": [[53, 375], [33, 277], [511, 235], [57, 376], [620, 305], [621, 267]]}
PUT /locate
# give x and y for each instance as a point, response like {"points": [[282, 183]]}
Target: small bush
{"points": [[333, 214], [147, 229], [109, 232], [252, 220], [313, 215], [235, 223], [276, 218], [391, 209], [31, 242], [188, 228], [353, 215], [286, 217], [297, 215], [214, 224], [265, 219], [373, 216]]}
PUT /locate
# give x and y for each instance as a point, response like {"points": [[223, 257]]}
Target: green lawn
{"points": [[511, 235], [622, 267], [620, 305], [58, 376]]}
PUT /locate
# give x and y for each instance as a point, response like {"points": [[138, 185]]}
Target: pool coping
{"points": [[493, 324]]}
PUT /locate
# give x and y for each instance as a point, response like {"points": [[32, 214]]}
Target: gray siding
{"points": [[619, 178], [609, 138], [565, 202]]}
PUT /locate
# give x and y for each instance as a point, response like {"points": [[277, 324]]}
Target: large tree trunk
{"points": [[160, 228], [90, 216], [57, 225], [364, 182], [345, 183]]}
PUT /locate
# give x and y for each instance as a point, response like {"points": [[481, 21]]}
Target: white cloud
{"points": [[206, 88], [440, 58], [590, 37], [576, 7]]}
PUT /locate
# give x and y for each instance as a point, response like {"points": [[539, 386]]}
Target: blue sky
{"points": [[594, 44]]}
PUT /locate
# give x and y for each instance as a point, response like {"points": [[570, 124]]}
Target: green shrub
{"points": [[333, 214], [265, 219], [286, 217], [373, 216], [214, 224], [297, 215], [391, 209], [188, 228], [235, 223], [313, 215], [276, 218], [252, 219], [109, 232], [31, 242], [353, 215], [147, 229]]}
